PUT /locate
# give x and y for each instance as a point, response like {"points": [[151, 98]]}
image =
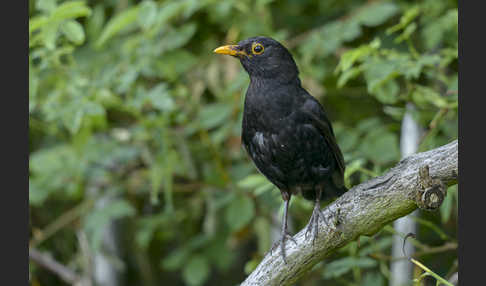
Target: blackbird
{"points": [[285, 130]]}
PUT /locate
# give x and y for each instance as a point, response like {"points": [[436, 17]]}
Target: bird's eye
{"points": [[257, 48]]}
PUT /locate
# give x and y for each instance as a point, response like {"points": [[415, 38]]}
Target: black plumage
{"points": [[285, 130]]}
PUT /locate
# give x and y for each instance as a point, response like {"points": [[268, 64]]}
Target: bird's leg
{"points": [[285, 235], [316, 214]]}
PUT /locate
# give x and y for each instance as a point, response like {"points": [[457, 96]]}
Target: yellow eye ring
{"points": [[257, 48]]}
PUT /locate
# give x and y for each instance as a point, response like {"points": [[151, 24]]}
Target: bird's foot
{"points": [[285, 236], [314, 223]]}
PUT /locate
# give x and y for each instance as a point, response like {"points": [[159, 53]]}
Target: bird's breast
{"points": [[290, 153]]}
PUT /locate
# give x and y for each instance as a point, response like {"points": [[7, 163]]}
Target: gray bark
{"points": [[363, 210]]}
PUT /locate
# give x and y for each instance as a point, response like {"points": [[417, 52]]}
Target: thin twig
{"points": [[430, 272], [63, 220], [47, 262], [431, 250]]}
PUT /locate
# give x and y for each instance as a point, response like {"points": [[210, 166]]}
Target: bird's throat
{"points": [[267, 96]]}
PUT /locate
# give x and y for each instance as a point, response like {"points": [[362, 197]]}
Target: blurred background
{"points": [[137, 175]]}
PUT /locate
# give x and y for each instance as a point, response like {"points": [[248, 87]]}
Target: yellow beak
{"points": [[231, 50]]}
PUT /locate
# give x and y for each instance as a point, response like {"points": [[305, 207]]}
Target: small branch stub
{"points": [[432, 191]]}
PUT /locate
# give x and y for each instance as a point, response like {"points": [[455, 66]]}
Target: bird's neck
{"points": [[274, 82]]}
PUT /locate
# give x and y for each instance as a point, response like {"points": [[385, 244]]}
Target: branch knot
{"points": [[432, 191]]}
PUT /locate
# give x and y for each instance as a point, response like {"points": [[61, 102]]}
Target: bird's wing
{"points": [[319, 120]]}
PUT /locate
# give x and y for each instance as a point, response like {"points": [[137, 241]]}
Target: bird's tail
{"points": [[332, 191], [329, 191]]}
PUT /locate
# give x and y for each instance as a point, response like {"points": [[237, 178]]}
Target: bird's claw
{"points": [[314, 223], [291, 238], [281, 242]]}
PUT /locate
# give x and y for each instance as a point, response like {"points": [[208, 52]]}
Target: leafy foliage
{"points": [[128, 106]]}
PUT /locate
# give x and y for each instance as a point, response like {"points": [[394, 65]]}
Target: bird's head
{"points": [[263, 57]]}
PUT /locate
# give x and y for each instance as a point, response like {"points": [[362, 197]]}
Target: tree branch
{"points": [[364, 210], [66, 274]]}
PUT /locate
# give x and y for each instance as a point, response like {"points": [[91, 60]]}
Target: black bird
{"points": [[285, 130]]}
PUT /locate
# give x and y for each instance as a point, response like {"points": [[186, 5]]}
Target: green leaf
{"points": [[263, 229], [178, 38], [348, 75], [448, 204], [73, 120], [157, 172], [257, 183], [252, 181], [239, 212], [45, 5], [379, 74], [436, 32], [425, 96], [378, 71], [213, 115], [148, 225], [396, 113], [37, 195], [358, 54], [368, 124], [334, 33], [176, 63], [217, 253], [347, 138], [56, 170], [148, 14], [73, 31], [116, 24], [376, 13], [351, 168], [96, 222], [407, 32], [94, 23], [263, 188], [160, 98], [49, 35], [169, 11], [373, 279], [340, 267], [70, 10], [406, 19], [37, 22], [376, 246], [251, 265], [387, 91], [196, 272], [175, 259], [33, 88], [380, 146]]}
